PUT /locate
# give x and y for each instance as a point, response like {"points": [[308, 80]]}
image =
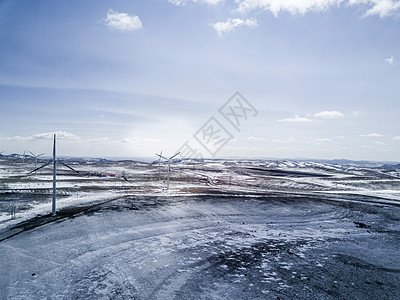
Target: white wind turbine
{"points": [[159, 164], [54, 161], [169, 162], [23, 159], [36, 157]]}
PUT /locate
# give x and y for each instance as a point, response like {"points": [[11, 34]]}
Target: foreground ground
{"points": [[221, 232], [211, 247]]}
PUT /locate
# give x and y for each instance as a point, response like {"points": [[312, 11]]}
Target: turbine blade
{"points": [[32, 153], [174, 155], [161, 156], [64, 164], [40, 154], [42, 166]]}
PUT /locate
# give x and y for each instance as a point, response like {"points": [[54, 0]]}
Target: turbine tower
{"points": [[159, 165], [54, 161], [23, 159], [169, 162]]}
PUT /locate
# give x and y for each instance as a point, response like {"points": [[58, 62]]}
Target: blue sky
{"points": [[128, 78]]}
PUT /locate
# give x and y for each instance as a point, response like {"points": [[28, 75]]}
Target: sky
{"points": [[317, 79]]}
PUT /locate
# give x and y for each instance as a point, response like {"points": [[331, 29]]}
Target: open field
{"points": [[225, 230]]}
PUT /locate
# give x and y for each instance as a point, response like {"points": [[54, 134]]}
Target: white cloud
{"points": [[373, 135], [125, 140], [379, 143], [231, 24], [390, 60], [329, 115], [183, 2], [396, 138], [323, 140], [212, 2], [291, 6], [296, 119], [290, 140], [50, 135], [45, 136], [315, 117], [381, 8], [252, 138], [122, 21]]}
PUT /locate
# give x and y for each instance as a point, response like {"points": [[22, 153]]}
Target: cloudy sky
{"points": [[128, 78]]}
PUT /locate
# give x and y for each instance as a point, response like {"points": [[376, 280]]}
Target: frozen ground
{"points": [[225, 230]]}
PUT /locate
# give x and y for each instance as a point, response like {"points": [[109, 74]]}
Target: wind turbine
{"points": [[54, 161], [159, 164], [36, 157], [23, 159], [169, 161]]}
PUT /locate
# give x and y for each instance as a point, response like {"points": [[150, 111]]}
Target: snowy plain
{"points": [[225, 230]]}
